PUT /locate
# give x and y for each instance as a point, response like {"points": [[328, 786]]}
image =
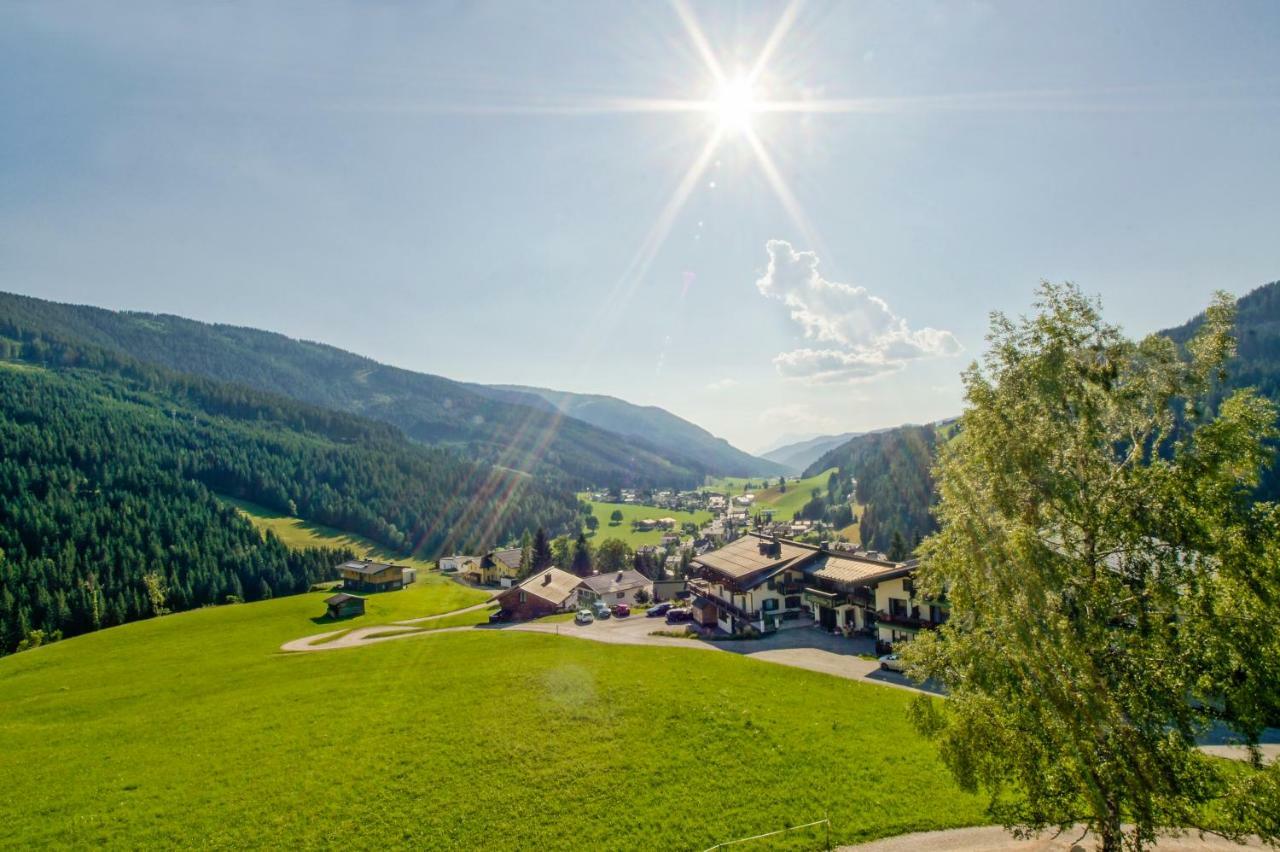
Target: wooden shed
{"points": [[343, 605]]}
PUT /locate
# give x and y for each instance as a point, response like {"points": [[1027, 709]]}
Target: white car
{"points": [[892, 662], [584, 616]]}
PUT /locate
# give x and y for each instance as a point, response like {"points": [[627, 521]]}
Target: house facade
{"points": [[755, 582], [545, 593], [901, 614], [768, 583], [494, 567], [615, 587], [364, 576]]}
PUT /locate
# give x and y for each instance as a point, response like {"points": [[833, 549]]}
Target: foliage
{"points": [[1109, 601], [629, 513], [612, 555], [582, 561]]}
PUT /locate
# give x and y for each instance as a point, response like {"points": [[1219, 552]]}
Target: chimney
{"points": [[546, 579]]}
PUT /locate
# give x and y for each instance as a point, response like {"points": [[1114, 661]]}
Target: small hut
{"points": [[343, 605]]}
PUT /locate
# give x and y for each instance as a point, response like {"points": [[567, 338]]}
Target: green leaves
{"points": [[1107, 572]]}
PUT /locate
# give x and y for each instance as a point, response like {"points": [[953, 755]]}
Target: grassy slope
{"points": [[194, 730], [602, 511], [430, 594]]}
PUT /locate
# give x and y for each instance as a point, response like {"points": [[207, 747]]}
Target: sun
{"points": [[734, 104]]}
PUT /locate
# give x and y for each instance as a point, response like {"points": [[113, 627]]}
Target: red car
{"points": [[621, 610]]}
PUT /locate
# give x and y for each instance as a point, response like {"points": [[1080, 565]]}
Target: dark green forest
{"points": [[895, 483], [490, 427], [108, 479]]}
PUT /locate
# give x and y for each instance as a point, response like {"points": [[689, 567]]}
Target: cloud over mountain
{"points": [[864, 338]]}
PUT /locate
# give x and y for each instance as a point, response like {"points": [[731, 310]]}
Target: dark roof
{"points": [[509, 557], [362, 566], [616, 581], [341, 598]]}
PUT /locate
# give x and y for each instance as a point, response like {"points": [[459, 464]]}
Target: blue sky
{"points": [[440, 186]]}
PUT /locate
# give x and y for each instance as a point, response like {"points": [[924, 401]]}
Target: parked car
{"points": [[621, 610], [601, 611], [584, 616], [892, 662], [499, 616], [658, 609], [682, 613]]}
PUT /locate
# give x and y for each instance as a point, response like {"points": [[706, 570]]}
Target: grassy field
{"points": [[297, 533], [429, 595], [602, 511], [194, 730]]}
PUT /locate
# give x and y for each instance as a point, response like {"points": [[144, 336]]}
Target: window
{"points": [[792, 602], [523, 597], [769, 604], [898, 607], [621, 595]]}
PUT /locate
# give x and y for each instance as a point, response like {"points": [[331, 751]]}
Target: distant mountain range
{"points": [[893, 466], [646, 422], [520, 429], [801, 454]]}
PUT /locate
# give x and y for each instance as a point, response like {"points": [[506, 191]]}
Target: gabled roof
{"points": [[363, 566], [551, 585], [616, 581], [509, 557], [855, 569], [341, 598], [752, 559]]}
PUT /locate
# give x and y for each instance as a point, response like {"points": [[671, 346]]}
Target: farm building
{"points": [[343, 605], [544, 593], [364, 576]]}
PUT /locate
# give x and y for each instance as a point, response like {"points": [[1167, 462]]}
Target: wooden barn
{"points": [[343, 605]]}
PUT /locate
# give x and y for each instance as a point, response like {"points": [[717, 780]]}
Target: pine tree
{"points": [[541, 555], [582, 556]]}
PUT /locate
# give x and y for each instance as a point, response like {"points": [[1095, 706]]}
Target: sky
{"points": [[629, 199]]}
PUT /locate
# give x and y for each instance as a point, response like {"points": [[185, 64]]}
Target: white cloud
{"points": [[864, 337], [722, 384]]}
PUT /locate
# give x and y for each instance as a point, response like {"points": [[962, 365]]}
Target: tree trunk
{"points": [[1110, 834]]}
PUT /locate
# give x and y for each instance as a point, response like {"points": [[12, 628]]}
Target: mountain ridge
{"points": [[430, 409], [652, 423]]}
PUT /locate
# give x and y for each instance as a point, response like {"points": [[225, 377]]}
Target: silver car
{"points": [[892, 662]]}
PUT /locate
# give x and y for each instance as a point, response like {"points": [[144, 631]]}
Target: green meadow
{"points": [[630, 513], [298, 533], [784, 504], [195, 730]]}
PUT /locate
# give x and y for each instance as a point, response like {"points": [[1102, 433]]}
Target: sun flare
{"points": [[734, 104]]}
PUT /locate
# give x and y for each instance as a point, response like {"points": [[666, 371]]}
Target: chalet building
{"points": [[615, 587], [494, 567], [544, 593], [361, 575], [343, 605], [754, 582], [768, 583], [900, 614]]}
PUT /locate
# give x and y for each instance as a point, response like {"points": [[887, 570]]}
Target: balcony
{"points": [[830, 600], [909, 622]]}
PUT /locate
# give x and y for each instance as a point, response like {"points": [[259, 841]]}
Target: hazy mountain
{"points": [[661, 428], [430, 409], [800, 455]]}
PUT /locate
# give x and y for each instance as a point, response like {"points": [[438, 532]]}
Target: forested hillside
{"points": [[429, 409], [1257, 361], [673, 435], [895, 484], [108, 475]]}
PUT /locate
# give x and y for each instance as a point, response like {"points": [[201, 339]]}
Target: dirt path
{"points": [[996, 839]]}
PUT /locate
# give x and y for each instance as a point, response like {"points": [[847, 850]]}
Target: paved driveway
{"points": [[801, 647]]}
